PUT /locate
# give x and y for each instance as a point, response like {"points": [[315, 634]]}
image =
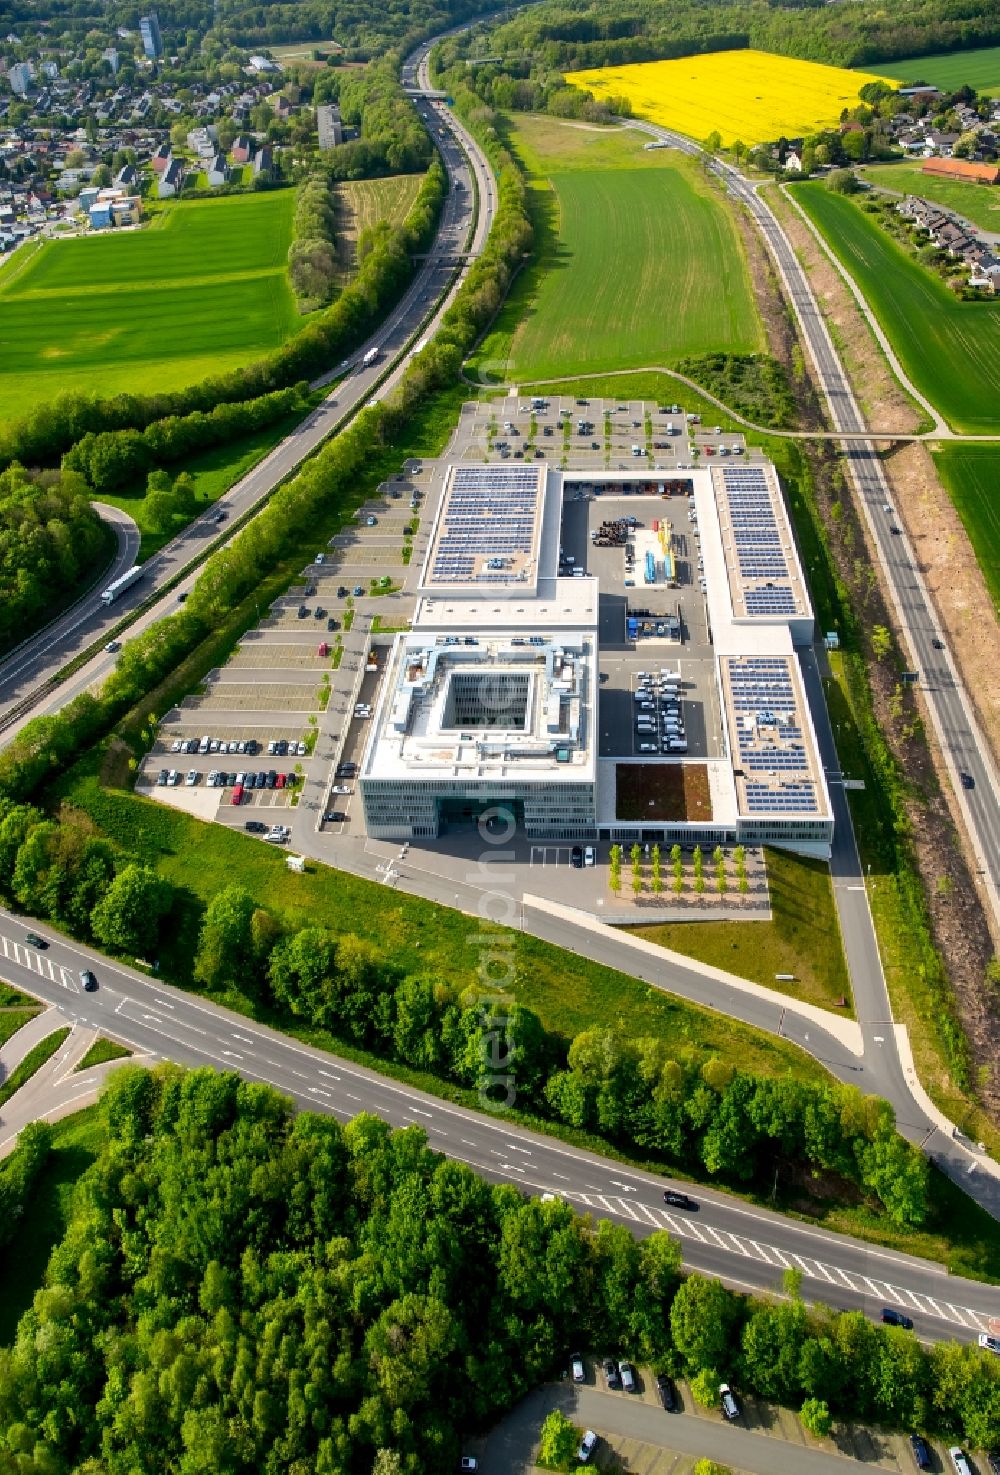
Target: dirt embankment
{"points": [[961, 931]]}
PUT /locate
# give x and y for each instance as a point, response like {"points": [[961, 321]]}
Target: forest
{"points": [[246, 1291], [51, 541]]}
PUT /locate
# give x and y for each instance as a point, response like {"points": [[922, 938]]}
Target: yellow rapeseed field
{"points": [[751, 95]]}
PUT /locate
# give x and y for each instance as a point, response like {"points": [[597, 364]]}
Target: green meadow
{"points": [[972, 476], [949, 348], [638, 261], [949, 70], [200, 289]]}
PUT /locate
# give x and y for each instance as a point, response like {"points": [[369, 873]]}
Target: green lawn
{"points": [[201, 289], [979, 203], [568, 991], [638, 260], [101, 1051], [972, 476], [950, 70], [76, 1141], [803, 936], [11, 1021], [950, 349]]}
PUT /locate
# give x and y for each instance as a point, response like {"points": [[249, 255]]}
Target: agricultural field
{"points": [[950, 70], [972, 476], [949, 348], [977, 202], [199, 290], [362, 203], [638, 260], [750, 95]]}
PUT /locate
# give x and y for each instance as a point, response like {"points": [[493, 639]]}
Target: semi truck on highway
{"points": [[371, 357], [118, 586]]}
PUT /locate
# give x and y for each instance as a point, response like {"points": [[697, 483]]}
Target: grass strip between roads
{"points": [[32, 1062], [11, 1020], [101, 1051]]}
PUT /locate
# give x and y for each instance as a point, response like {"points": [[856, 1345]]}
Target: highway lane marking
{"points": [[232, 1055], [514, 1148], [418, 1112], [649, 1214], [318, 1091], [244, 1040], [327, 1074], [563, 1176]]}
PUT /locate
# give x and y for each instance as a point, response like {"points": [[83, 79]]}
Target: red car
{"points": [[237, 793], [279, 782]]}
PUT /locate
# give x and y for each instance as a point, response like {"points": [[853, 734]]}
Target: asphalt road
{"points": [[464, 226], [747, 1247], [952, 716], [509, 1447]]}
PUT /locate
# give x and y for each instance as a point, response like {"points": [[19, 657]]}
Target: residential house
{"points": [[243, 149], [218, 171], [19, 77], [941, 143], [793, 161], [263, 160], [162, 159], [329, 126], [171, 180], [127, 177]]}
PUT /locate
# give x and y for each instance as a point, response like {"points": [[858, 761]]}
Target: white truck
{"points": [[119, 585], [371, 357]]}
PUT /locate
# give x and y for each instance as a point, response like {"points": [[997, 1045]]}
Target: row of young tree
{"points": [[110, 459], [698, 1113], [241, 1289], [51, 541], [388, 265]]}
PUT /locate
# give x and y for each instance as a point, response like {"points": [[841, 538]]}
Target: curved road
{"points": [[746, 1246], [465, 223], [955, 726]]}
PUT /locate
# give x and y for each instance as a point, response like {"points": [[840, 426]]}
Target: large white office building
{"points": [[492, 700]]}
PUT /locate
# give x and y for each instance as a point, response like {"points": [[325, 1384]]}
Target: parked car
{"points": [[576, 856], [587, 1446], [256, 827], [611, 1374], [959, 1460], [627, 1372], [576, 1367], [678, 1200], [162, 780], [335, 816], [921, 1453], [359, 589], [891, 1317], [589, 855], [88, 980], [667, 1393], [730, 1404], [192, 777]]}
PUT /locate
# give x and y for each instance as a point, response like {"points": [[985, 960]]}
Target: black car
{"points": [[262, 779], [921, 1454], [968, 782], [678, 1200], [891, 1317], [894, 529], [332, 624], [341, 591], [576, 857], [335, 816], [611, 1374], [88, 980], [937, 644], [33, 940], [310, 590], [252, 746], [272, 778], [303, 611], [256, 827], [667, 1392], [319, 613]]}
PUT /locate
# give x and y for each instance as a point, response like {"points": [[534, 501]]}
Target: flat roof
{"points": [[765, 580], [487, 707], [773, 747], [488, 528], [560, 603]]}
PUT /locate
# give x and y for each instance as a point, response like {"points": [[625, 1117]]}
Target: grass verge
{"points": [[101, 1051], [32, 1062], [11, 1021], [802, 937]]}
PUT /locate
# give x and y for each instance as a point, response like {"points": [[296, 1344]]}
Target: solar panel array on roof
{"points": [[490, 512], [769, 741], [757, 533]]}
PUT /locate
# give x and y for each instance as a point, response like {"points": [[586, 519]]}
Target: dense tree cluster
{"points": [[392, 139], [18, 1174], [752, 384], [63, 869], [113, 458], [241, 1289], [539, 42], [695, 1112], [51, 541], [312, 255]]}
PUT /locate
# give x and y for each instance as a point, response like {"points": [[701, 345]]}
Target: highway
{"points": [[26, 677], [955, 727], [746, 1246]]}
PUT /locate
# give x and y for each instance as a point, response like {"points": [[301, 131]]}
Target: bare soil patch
{"points": [[662, 791]]}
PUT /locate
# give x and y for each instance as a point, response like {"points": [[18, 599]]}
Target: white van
{"points": [[678, 745]]}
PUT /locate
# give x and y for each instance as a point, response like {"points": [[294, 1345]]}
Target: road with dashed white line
{"points": [[746, 1246]]}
